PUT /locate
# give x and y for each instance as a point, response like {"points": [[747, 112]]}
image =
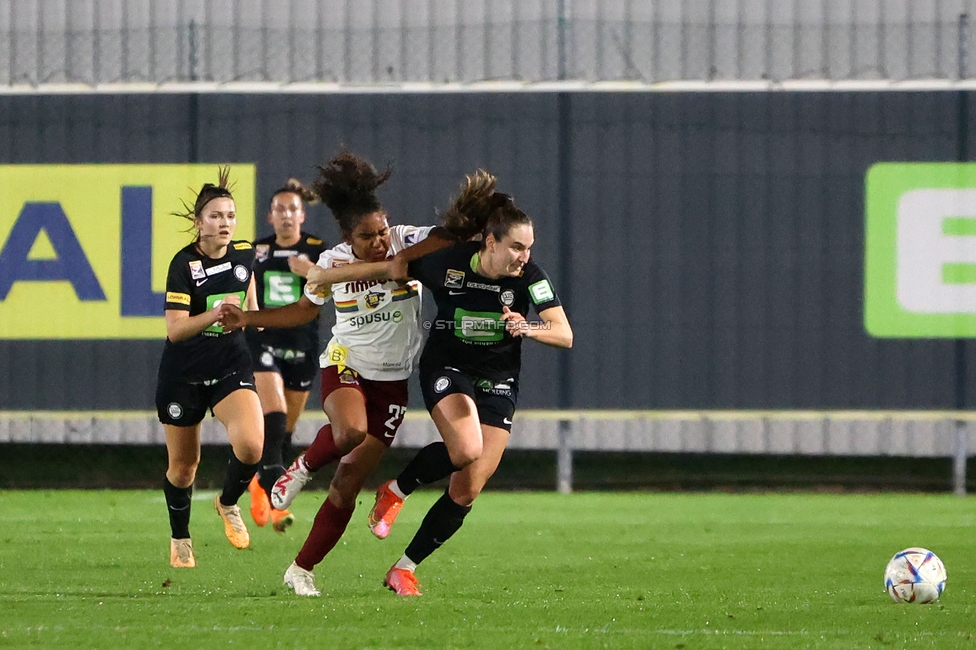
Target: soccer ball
{"points": [[915, 575]]}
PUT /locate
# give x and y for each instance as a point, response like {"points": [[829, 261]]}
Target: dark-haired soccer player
{"points": [[284, 359], [203, 367]]}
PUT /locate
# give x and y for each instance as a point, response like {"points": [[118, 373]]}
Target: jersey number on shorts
{"points": [[394, 422]]}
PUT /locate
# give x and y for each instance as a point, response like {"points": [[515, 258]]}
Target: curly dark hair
{"points": [[347, 186]]}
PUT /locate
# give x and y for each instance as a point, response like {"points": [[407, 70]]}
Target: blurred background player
{"points": [[284, 359], [469, 369], [204, 367]]}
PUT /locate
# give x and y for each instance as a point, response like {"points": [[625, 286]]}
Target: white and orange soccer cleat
{"points": [[181, 554], [234, 526]]}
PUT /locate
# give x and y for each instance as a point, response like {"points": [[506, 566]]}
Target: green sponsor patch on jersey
{"points": [[541, 292], [212, 302], [281, 288], [480, 326]]}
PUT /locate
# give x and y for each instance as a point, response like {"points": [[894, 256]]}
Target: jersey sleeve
{"points": [[541, 294], [429, 269], [406, 236], [179, 284], [325, 261]]}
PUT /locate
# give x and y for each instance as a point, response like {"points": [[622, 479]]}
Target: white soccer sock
{"points": [[406, 563], [395, 489]]}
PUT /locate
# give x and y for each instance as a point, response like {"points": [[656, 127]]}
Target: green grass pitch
{"points": [[528, 570]]}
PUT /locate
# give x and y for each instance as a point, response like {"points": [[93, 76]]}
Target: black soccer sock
{"points": [[287, 450], [235, 484], [178, 504], [442, 520], [431, 463], [272, 463]]}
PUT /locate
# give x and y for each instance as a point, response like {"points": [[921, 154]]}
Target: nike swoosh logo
{"points": [[244, 383], [199, 282], [506, 421], [388, 435], [456, 293], [179, 509]]}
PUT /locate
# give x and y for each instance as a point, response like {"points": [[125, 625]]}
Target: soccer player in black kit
{"points": [[285, 360], [469, 368], [203, 367]]}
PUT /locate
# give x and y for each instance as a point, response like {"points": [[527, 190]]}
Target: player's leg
{"points": [[333, 517], [447, 514], [183, 458], [345, 403], [271, 393], [240, 412]]}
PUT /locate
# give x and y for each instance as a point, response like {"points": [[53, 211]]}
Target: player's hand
{"points": [[398, 268], [515, 323], [300, 264], [230, 316]]}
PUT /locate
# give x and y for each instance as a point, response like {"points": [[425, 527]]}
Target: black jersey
{"points": [[196, 283], [468, 333], [278, 286]]}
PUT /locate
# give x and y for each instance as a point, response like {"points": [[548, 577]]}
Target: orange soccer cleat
{"points": [[402, 581], [234, 526], [260, 504], [384, 511], [281, 520], [181, 554]]}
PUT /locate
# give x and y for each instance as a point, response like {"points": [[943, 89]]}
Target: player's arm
{"points": [[554, 330], [181, 326], [294, 315], [320, 280], [252, 295], [437, 239], [300, 264]]}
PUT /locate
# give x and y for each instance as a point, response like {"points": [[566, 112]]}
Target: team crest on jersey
{"points": [[454, 279], [241, 273], [373, 299], [348, 376], [261, 252], [507, 297], [196, 270]]}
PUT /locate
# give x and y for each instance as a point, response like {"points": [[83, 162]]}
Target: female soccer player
{"points": [[284, 359], [365, 366], [204, 367], [469, 369]]}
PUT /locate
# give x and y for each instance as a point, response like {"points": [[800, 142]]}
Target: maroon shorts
{"points": [[386, 401]]}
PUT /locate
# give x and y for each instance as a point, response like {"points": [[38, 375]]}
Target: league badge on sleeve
{"points": [[196, 270], [454, 279], [261, 252]]}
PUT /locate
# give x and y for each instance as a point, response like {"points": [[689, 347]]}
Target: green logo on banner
{"points": [[920, 250]]}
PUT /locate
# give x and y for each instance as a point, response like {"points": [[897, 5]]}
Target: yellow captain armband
{"points": [[178, 298]]}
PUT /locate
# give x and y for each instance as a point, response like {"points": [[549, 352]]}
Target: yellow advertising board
{"points": [[84, 249]]}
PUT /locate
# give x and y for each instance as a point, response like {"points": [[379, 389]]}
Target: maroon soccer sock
{"points": [[329, 524], [323, 450]]}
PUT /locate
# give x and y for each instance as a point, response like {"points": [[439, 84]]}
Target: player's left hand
{"points": [[515, 323]]}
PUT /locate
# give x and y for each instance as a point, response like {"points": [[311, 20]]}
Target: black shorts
{"points": [[296, 367], [185, 404], [495, 400]]}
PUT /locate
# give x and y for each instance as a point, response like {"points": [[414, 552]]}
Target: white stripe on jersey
{"points": [[377, 330]]}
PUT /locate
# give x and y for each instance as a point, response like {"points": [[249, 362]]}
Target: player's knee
{"points": [[465, 454], [348, 438], [249, 452], [182, 474], [464, 496]]}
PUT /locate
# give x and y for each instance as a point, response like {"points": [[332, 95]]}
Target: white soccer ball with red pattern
{"points": [[915, 575]]}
